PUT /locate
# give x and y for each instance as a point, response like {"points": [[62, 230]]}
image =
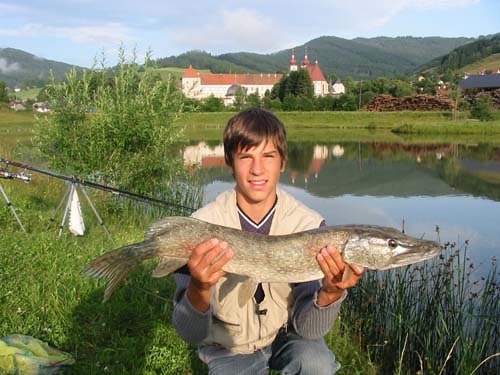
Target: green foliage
{"points": [[482, 108], [4, 95], [297, 83], [396, 87], [118, 129], [239, 98], [273, 104], [190, 105], [467, 54], [253, 100], [201, 60], [212, 104]]}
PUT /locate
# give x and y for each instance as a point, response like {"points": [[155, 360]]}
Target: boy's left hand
{"points": [[339, 275]]}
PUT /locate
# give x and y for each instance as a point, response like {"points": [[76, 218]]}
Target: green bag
{"points": [[26, 355]]}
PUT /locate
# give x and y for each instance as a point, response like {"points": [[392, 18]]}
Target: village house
{"points": [[198, 85], [17, 105], [481, 81]]}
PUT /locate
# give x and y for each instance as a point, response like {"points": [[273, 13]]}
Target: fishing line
{"points": [[95, 185]]}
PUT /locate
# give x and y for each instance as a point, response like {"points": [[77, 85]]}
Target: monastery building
{"points": [[225, 85]]}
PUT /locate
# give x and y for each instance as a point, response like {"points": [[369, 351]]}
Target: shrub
{"points": [[114, 125], [482, 108]]}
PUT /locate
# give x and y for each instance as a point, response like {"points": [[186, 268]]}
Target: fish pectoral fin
{"points": [[247, 291], [167, 266]]}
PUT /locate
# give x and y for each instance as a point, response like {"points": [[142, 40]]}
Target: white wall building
{"points": [[198, 85]]}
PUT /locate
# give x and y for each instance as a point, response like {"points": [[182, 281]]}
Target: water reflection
{"points": [[377, 169], [453, 186]]}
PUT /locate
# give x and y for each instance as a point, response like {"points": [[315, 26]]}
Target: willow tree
{"points": [[116, 125]]}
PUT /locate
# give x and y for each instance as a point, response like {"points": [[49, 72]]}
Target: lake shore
{"points": [[370, 126]]}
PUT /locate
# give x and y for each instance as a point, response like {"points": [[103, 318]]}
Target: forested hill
{"points": [[360, 58], [466, 54], [18, 67]]}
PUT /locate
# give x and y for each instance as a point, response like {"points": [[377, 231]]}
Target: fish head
{"points": [[383, 248]]}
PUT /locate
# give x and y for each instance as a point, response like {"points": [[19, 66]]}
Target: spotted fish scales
{"points": [[261, 258]]}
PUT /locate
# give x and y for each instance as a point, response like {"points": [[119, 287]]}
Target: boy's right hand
{"points": [[205, 266]]}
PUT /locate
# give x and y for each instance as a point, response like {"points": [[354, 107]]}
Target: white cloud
{"points": [[239, 29], [5, 67]]}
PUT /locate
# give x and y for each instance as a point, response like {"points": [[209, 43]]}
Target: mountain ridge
{"points": [[19, 67], [358, 58]]}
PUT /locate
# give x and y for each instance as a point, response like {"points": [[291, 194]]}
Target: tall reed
{"points": [[440, 316]]}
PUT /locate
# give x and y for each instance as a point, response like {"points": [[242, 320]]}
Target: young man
{"points": [[283, 326]]}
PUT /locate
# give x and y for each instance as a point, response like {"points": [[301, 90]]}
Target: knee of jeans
{"points": [[313, 362]]}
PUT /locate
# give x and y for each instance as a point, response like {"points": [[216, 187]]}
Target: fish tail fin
{"points": [[114, 266]]}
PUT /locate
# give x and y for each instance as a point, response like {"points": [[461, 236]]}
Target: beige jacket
{"points": [[241, 330]]}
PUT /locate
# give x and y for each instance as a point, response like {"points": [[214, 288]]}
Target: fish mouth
{"points": [[416, 253]]}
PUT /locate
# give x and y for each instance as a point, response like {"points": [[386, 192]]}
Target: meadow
{"points": [[403, 127], [435, 319]]}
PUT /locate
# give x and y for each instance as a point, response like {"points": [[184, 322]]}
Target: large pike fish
{"points": [[261, 258]]}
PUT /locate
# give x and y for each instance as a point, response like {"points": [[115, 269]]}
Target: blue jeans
{"points": [[289, 353]]}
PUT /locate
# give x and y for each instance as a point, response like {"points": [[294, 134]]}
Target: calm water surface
{"points": [[455, 188]]}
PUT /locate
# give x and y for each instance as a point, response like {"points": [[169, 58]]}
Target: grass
{"points": [[490, 63], [403, 127], [398, 322], [30, 94], [45, 294]]}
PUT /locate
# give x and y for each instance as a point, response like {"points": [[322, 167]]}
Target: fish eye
{"points": [[392, 243]]}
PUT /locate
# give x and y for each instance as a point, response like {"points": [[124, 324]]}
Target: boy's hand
{"points": [[205, 266], [339, 275]]}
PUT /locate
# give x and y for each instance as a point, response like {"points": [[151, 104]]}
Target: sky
{"points": [[80, 31]]}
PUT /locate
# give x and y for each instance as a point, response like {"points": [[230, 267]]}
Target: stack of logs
{"points": [[422, 102], [493, 94]]}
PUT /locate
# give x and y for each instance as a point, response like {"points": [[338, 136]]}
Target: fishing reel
{"points": [[23, 176]]}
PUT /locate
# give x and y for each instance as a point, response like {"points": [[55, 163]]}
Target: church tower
{"points": [[293, 62], [305, 63]]}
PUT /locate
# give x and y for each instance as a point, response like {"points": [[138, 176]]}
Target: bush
{"points": [[482, 108], [116, 126], [212, 104]]}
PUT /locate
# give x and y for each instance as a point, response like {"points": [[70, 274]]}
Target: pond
{"points": [[445, 192]]}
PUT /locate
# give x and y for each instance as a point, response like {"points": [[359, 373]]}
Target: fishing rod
{"points": [[95, 185]]}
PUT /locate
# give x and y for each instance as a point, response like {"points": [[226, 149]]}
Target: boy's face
{"points": [[257, 172]]}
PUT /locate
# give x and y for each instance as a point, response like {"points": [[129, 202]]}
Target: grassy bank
{"points": [[365, 126], [406, 127], [45, 294]]}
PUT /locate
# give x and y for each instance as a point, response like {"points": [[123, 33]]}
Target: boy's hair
{"points": [[249, 128]]}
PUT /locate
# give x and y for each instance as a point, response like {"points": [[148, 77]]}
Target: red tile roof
{"points": [[190, 73], [316, 73], [242, 79]]}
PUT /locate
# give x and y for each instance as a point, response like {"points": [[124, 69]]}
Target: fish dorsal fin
{"points": [[168, 223], [167, 266]]}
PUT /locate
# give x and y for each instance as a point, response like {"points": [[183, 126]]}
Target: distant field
{"points": [[414, 127], [30, 94], [490, 63]]}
